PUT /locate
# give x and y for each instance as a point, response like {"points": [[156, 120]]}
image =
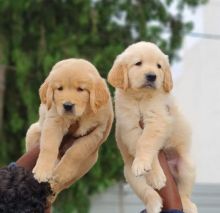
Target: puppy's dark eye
{"points": [[60, 88], [139, 63], [79, 89], [159, 66]]}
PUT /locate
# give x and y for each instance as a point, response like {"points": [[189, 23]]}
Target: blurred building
{"points": [[197, 89]]}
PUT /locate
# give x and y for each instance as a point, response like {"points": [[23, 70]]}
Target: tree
{"points": [[36, 34]]}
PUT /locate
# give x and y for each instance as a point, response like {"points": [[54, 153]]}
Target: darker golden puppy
{"points": [[74, 92]]}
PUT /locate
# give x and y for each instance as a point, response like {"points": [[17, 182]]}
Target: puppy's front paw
{"points": [[41, 174], [51, 198], [153, 202], [189, 206], [54, 184], [61, 176], [156, 179], [140, 166], [192, 209]]}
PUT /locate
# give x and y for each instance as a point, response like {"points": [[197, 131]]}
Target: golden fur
{"points": [[147, 120], [74, 81]]}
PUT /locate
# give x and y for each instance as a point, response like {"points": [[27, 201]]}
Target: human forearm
{"points": [[28, 160], [169, 193]]}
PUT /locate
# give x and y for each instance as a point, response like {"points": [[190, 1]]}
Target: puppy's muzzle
{"points": [[150, 79], [68, 106]]}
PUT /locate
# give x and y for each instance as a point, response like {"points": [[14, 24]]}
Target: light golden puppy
{"points": [[148, 120], [73, 93]]}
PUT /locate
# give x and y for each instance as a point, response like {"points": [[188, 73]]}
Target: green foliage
{"points": [[35, 34]]}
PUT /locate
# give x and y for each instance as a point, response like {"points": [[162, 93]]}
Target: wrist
{"points": [[29, 159]]}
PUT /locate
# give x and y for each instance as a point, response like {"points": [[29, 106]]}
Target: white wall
{"points": [[197, 89]]}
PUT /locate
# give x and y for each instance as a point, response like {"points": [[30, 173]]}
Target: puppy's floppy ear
{"points": [[118, 76], [167, 82], [99, 94], [46, 94]]}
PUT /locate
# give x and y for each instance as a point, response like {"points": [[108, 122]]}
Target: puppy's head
{"points": [[141, 66], [74, 86]]}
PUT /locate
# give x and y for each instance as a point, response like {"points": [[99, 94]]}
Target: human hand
{"points": [[169, 193]]}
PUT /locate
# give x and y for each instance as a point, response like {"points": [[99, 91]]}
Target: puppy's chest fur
{"points": [[134, 115], [84, 124]]}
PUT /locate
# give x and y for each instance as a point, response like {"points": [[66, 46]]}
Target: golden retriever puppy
{"points": [[147, 120], [73, 94]]}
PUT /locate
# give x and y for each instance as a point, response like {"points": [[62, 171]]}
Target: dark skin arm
{"points": [[169, 193]]}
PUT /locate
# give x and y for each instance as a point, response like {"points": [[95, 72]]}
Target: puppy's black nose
{"points": [[151, 77], [68, 106]]}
